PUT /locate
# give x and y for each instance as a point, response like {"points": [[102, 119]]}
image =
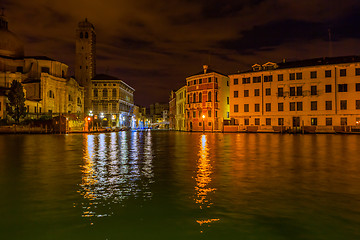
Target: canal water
{"points": [[173, 185]]}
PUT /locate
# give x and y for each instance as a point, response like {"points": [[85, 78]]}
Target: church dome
{"points": [[10, 44]]}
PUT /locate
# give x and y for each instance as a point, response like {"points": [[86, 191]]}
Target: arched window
{"points": [[188, 98], [216, 96], [200, 97], [209, 97], [194, 97], [78, 101], [114, 93], [96, 93], [62, 74], [86, 35], [81, 35], [105, 93]]}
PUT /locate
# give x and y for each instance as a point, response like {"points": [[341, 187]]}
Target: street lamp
{"points": [[101, 117], [203, 117]]}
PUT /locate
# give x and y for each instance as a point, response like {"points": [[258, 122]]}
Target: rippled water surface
{"points": [[172, 185]]}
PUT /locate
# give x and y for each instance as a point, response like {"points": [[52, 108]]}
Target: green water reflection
{"points": [[173, 185]]}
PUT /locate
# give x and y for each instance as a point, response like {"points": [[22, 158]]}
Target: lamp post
{"points": [[203, 117], [90, 118], [101, 117]]}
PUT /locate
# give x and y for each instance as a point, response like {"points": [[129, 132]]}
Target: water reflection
{"points": [[203, 181], [116, 167]]}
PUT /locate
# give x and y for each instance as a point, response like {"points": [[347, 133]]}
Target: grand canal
{"points": [[173, 185]]}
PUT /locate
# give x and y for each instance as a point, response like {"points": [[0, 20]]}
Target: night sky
{"points": [[154, 45]]}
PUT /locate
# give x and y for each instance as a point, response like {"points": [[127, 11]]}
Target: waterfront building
{"points": [[48, 90], [172, 110], [314, 95], [112, 101], [180, 109], [85, 58], [207, 103], [157, 110]]}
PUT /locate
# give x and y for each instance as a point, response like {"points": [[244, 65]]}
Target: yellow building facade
{"points": [[315, 95], [180, 121]]}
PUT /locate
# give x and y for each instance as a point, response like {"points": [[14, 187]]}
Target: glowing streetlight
{"points": [[203, 117]]}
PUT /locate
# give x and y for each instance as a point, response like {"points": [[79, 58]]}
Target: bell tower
{"points": [[85, 59]]}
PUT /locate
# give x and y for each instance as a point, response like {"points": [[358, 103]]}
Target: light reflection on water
{"points": [[203, 180], [115, 168], [174, 185]]}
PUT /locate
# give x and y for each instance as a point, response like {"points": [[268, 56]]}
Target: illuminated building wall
{"points": [[207, 95], [320, 94], [114, 99], [180, 123]]}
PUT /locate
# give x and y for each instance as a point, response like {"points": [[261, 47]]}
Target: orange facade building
{"points": [[207, 101]]}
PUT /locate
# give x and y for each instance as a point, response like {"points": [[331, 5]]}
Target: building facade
{"points": [[172, 110], [112, 101], [207, 103], [85, 58], [157, 112], [48, 90], [313, 95], [180, 123]]}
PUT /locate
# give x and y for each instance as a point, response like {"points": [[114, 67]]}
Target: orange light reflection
{"points": [[203, 180]]}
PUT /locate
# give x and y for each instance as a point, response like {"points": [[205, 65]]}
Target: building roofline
{"points": [[324, 61], [208, 71]]}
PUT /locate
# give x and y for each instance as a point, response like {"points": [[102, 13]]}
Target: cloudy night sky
{"points": [[154, 45]]}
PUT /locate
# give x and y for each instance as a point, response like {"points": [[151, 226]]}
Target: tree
{"points": [[16, 106]]}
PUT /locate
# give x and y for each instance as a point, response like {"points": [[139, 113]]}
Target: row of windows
{"points": [[199, 97], [314, 121], [181, 95], [107, 106], [293, 76], [201, 114], [201, 80], [105, 92], [298, 91], [105, 84], [298, 106]]}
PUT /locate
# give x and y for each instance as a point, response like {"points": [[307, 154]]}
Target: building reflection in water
{"points": [[116, 167], [203, 181]]}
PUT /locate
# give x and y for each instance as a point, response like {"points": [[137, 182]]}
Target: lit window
{"points": [[313, 121]]}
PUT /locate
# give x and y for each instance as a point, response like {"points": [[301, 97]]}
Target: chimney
{"points": [[205, 68]]}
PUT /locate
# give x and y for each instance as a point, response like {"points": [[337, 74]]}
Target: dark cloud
{"points": [[265, 37]]}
